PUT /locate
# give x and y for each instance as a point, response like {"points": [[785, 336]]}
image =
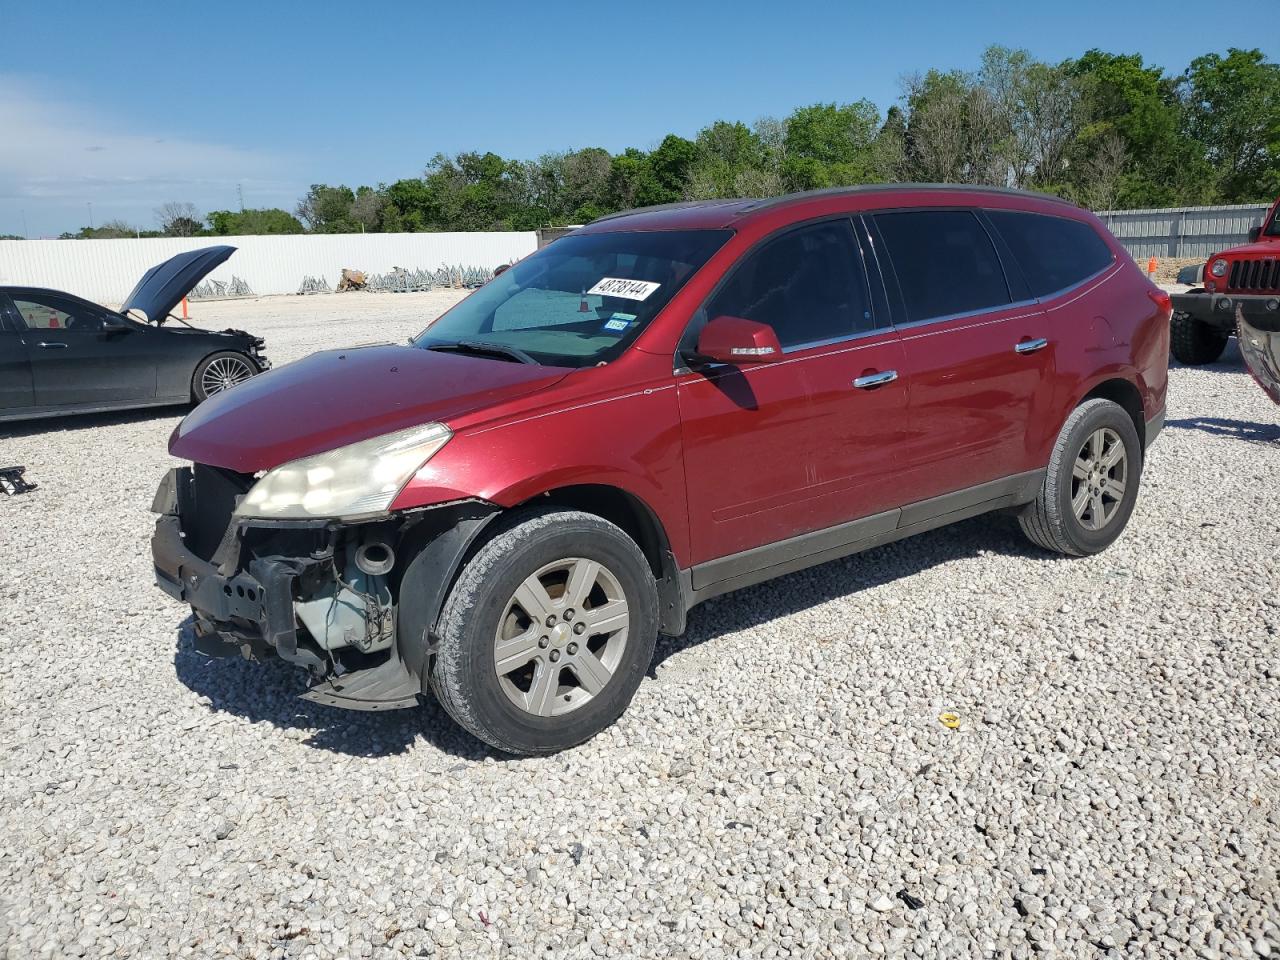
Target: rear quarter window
{"points": [[1053, 252]]}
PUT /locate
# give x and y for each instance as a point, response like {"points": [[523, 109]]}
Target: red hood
{"points": [[1260, 248], [330, 399]]}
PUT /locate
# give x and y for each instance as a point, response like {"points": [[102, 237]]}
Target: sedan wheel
{"points": [[224, 372]]}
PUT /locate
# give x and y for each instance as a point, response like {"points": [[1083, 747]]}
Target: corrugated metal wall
{"points": [[106, 270], [1183, 231]]}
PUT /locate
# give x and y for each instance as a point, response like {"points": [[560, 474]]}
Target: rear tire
{"points": [[541, 680], [1193, 341], [219, 371], [1088, 493]]}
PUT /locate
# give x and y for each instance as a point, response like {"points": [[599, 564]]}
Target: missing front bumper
{"points": [[253, 586]]}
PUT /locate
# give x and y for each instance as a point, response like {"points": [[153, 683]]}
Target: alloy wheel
{"points": [[561, 637], [1098, 479], [222, 373]]}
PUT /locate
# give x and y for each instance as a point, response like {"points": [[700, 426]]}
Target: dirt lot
{"points": [[781, 786]]}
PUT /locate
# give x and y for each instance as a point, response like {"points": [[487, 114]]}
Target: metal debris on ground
{"points": [[216, 289], [13, 482], [949, 720], [314, 285], [400, 280]]}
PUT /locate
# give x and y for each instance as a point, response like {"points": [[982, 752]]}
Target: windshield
{"points": [[577, 302], [1273, 228]]}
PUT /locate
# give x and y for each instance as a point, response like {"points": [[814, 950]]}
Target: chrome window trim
{"points": [[946, 318], [861, 335], [1079, 283]]}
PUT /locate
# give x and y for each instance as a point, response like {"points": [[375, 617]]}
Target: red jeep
{"points": [[666, 405], [1241, 295]]}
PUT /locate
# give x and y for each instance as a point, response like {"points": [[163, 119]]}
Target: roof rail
{"points": [[679, 205], [884, 187], [753, 204]]}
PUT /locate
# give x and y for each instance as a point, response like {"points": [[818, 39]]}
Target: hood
{"points": [[165, 284], [337, 397], [1262, 247]]}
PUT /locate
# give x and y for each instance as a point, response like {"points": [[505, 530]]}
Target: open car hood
{"points": [[165, 284], [334, 398]]}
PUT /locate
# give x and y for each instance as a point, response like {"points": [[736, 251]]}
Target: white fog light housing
{"points": [[1219, 268], [352, 482]]}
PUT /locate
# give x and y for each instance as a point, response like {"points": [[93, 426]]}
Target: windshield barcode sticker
{"points": [[630, 289]]}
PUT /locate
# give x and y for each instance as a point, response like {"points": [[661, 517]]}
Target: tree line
{"points": [[1104, 130]]}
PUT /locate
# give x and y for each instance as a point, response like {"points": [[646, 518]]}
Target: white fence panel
{"points": [[106, 270]]}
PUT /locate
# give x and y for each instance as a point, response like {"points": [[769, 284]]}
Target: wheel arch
{"points": [[1122, 392], [446, 538], [640, 522]]}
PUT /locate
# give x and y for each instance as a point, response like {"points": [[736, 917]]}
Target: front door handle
{"points": [[875, 379], [1030, 346], [43, 345]]}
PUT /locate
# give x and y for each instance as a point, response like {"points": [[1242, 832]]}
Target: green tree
{"points": [[830, 144], [726, 154], [1233, 111], [327, 209], [1123, 97], [231, 223]]}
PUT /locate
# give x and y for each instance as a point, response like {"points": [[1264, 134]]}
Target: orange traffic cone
{"points": [[582, 304], [1151, 267]]}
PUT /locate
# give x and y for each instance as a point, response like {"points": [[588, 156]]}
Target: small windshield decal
{"points": [[618, 322], [630, 289]]}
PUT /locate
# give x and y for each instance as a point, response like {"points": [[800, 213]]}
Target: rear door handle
{"points": [[875, 379], [1031, 346], [43, 345]]}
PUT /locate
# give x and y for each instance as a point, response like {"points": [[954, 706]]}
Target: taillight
{"points": [[1161, 299]]}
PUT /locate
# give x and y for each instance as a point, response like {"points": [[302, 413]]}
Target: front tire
{"points": [[1193, 341], [1091, 484], [547, 632], [220, 371]]}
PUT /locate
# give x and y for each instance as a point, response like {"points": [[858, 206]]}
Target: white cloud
{"points": [[56, 158]]}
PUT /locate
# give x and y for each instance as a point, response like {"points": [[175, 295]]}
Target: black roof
{"points": [[755, 204]]}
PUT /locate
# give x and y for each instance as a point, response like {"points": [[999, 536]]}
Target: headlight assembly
{"points": [[1219, 268], [351, 482]]}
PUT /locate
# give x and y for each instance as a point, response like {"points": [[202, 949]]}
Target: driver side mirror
{"points": [[738, 341], [111, 327], [1255, 233]]}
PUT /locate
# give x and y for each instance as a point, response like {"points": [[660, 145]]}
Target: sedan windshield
{"points": [[576, 303]]}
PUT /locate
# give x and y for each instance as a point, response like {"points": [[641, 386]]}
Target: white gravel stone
{"points": [[778, 778]]}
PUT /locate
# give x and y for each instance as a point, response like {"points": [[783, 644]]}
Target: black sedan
{"points": [[60, 354]]}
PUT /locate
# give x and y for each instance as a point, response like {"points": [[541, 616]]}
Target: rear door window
{"points": [[1053, 252], [945, 262], [807, 284]]}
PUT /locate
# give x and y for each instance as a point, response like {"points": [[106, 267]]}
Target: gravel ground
{"points": [[781, 786]]}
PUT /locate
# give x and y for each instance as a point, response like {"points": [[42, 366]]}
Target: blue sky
{"points": [[128, 105]]}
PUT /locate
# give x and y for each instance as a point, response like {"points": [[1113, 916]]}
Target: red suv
{"points": [[663, 406]]}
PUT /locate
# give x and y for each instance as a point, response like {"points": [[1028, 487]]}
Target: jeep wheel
{"points": [[547, 633], [1193, 341], [1091, 484]]}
